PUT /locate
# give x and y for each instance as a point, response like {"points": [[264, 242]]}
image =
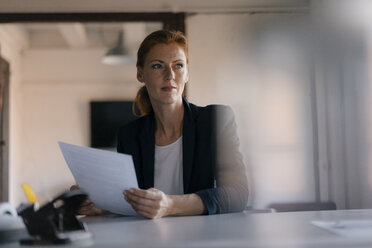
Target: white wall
{"points": [[56, 89]]}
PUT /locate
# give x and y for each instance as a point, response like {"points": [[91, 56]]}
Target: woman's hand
{"points": [[87, 207], [151, 203]]}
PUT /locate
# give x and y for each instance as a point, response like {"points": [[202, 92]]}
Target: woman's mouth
{"points": [[168, 88]]}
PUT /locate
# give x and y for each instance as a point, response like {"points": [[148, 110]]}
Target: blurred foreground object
{"points": [[30, 193], [11, 226], [56, 222]]}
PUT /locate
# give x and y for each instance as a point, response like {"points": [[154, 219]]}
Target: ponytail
{"points": [[142, 102]]}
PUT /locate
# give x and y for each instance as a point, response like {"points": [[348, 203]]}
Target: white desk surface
{"points": [[292, 229]]}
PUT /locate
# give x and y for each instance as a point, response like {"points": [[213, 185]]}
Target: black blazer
{"points": [[213, 166]]}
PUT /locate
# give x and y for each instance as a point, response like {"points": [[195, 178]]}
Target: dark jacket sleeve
{"points": [[231, 191]]}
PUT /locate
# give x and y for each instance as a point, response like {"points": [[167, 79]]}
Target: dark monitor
{"points": [[105, 119]]}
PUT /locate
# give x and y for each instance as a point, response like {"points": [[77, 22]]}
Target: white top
{"points": [[168, 169]]}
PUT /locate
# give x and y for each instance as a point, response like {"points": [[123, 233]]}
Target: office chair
{"points": [[302, 206]]}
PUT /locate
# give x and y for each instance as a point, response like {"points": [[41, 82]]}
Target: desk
{"points": [[292, 229]]}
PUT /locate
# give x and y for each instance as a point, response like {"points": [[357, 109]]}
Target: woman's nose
{"points": [[169, 73]]}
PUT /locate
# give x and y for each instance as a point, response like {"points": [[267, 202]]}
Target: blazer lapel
{"points": [[147, 141], [188, 141]]}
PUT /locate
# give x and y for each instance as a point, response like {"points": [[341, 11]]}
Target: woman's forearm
{"points": [[189, 204]]}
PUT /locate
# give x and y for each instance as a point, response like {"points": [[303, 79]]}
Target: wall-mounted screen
{"points": [[105, 119]]}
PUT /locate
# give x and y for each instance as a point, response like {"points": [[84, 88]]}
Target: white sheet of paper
{"points": [[347, 228], [103, 175]]}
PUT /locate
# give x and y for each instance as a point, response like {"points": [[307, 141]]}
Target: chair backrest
{"points": [[303, 206]]}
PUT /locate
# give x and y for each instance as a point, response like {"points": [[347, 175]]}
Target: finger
{"points": [[158, 194], [151, 216], [152, 194], [89, 205], [141, 201], [86, 202], [146, 215], [149, 209], [139, 192], [74, 187], [91, 211], [85, 209], [138, 206], [97, 211]]}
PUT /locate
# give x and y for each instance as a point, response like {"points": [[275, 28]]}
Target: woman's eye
{"points": [[179, 66], [156, 66]]}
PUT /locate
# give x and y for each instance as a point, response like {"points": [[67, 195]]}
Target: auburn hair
{"points": [[142, 100]]}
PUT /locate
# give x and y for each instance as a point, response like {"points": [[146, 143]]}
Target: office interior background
{"points": [[296, 72]]}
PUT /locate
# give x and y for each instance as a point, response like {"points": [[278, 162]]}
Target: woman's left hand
{"points": [[151, 203]]}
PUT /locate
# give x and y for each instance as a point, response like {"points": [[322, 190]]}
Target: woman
{"points": [[186, 157]]}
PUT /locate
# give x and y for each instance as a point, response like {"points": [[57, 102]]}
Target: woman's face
{"points": [[164, 73]]}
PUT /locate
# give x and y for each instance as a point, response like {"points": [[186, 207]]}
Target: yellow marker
{"points": [[30, 194]]}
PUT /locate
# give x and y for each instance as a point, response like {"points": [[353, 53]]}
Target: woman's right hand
{"points": [[87, 207]]}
